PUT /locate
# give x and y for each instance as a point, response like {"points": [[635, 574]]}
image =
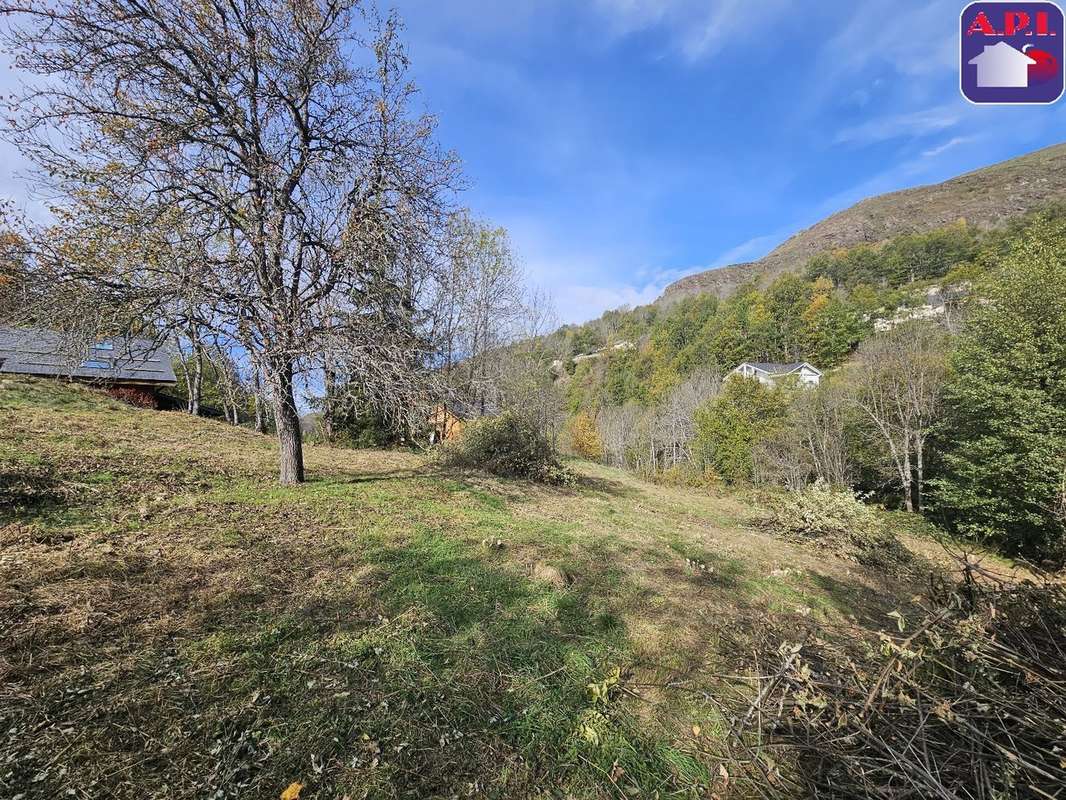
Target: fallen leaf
{"points": [[293, 791], [696, 731]]}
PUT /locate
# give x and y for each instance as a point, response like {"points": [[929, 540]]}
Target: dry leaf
{"points": [[696, 731], [293, 791]]}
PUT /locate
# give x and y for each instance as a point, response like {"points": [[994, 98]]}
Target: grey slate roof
{"points": [[781, 369], [35, 351]]}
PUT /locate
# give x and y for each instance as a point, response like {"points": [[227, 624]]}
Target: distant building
{"points": [[136, 366], [600, 352], [939, 302], [444, 424], [771, 374], [447, 420]]}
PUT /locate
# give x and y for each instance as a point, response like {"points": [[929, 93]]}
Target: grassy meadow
{"points": [[174, 624]]}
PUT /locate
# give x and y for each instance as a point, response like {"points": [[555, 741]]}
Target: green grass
{"points": [[177, 625]]}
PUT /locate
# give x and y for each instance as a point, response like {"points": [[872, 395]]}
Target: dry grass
{"points": [[176, 625]]}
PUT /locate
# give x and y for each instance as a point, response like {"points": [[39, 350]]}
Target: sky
{"points": [[626, 143]]}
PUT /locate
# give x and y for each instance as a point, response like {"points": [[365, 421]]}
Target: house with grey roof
{"points": [[771, 374], [136, 365]]}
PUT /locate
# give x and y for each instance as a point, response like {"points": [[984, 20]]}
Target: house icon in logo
{"points": [[1000, 66]]}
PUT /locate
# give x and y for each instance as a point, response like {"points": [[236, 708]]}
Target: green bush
{"points": [[837, 520], [507, 445], [729, 427], [1004, 434]]}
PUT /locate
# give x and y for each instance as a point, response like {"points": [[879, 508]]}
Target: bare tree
{"points": [[482, 308], [782, 460], [524, 380], [252, 136], [820, 417], [230, 384], [675, 425], [190, 362], [259, 402], [618, 427], [898, 385]]}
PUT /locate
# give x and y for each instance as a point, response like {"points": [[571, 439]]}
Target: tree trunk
{"points": [[197, 386], [907, 479], [260, 417], [919, 461], [328, 426], [287, 420]]}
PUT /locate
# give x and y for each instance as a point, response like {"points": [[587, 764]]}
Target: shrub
{"points": [[585, 438], [730, 426], [508, 445], [686, 476], [835, 519]]}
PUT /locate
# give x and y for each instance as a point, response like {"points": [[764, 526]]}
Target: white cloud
{"points": [[699, 28], [580, 302], [933, 152], [907, 125], [577, 303], [915, 42]]}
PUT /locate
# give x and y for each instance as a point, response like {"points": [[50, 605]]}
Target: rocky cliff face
{"points": [[984, 198]]}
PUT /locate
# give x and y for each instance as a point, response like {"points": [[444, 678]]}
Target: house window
{"points": [[96, 363]]}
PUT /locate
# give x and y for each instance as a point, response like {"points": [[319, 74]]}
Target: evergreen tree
{"points": [[1004, 442]]}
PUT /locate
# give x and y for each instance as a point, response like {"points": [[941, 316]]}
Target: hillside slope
{"points": [[174, 624], [984, 198]]}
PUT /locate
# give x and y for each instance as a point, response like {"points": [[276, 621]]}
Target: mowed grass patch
{"points": [[174, 624]]}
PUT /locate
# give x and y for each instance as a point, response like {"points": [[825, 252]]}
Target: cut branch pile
{"points": [[967, 702]]}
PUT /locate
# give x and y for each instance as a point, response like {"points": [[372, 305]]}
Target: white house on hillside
{"points": [[803, 373]]}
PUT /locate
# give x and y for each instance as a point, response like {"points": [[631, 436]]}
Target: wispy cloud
{"points": [[907, 125], [579, 303], [955, 141], [750, 250], [699, 28], [917, 41]]}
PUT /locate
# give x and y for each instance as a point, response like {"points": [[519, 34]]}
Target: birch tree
{"points": [[898, 386]]}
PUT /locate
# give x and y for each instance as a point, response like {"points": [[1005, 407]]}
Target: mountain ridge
{"points": [[984, 197]]}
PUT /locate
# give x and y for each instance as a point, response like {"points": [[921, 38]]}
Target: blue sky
{"points": [[625, 143]]}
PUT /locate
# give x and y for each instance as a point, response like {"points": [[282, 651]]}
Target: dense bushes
{"points": [[141, 398], [730, 427], [1003, 477], [987, 436], [510, 446], [904, 259], [585, 438]]}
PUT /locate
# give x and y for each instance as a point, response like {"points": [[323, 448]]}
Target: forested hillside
{"points": [[818, 314], [899, 330], [985, 198]]}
